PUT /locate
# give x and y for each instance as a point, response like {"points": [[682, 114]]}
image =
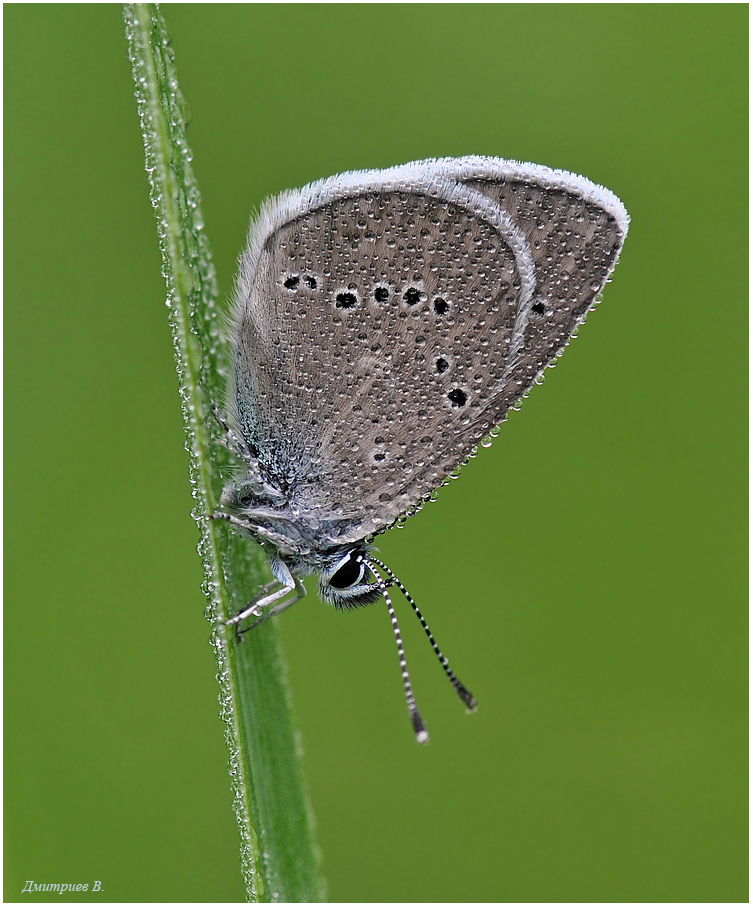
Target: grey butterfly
{"points": [[385, 322]]}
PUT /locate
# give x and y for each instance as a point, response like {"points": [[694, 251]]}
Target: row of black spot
{"points": [[348, 299], [293, 281]]}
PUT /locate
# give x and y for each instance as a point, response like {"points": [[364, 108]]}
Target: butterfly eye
{"points": [[349, 574]]}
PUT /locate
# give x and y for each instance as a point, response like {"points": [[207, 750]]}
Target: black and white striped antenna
{"points": [[422, 735]]}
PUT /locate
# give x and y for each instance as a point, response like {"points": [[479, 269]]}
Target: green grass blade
{"points": [[280, 861]]}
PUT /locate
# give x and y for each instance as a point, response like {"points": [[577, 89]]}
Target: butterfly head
{"points": [[346, 580]]}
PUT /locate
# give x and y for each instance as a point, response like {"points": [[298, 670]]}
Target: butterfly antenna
{"points": [[422, 735], [464, 693]]}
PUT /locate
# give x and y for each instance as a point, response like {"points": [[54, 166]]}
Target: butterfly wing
{"points": [[386, 321]]}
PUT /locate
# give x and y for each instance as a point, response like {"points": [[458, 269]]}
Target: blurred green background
{"points": [[586, 576]]}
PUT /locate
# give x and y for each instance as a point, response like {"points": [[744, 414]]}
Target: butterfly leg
{"points": [[256, 607], [254, 528], [300, 591]]}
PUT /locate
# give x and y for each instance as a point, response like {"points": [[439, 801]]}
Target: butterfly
{"points": [[384, 323]]}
